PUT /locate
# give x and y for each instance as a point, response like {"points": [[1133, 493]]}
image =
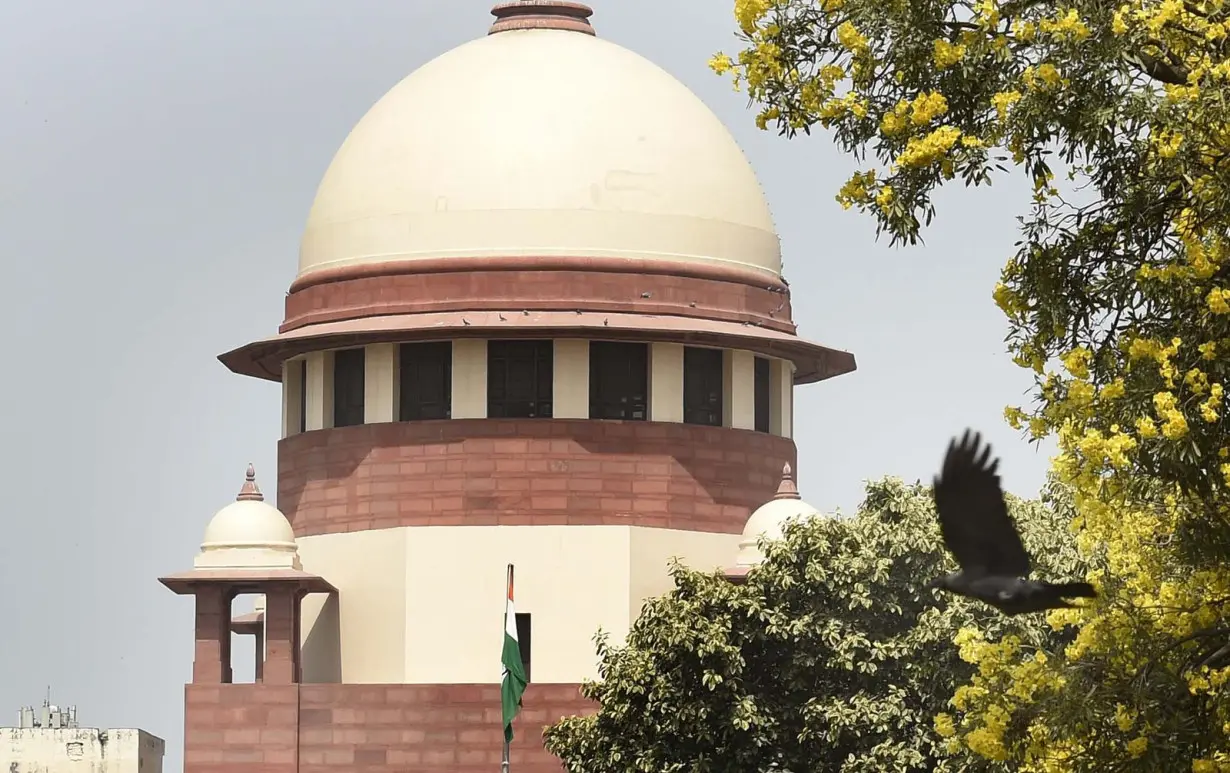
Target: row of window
{"points": [[520, 383]]}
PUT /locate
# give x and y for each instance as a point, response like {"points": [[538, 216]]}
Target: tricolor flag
{"points": [[512, 680]]}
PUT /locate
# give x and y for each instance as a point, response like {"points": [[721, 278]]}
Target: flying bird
{"points": [[982, 537]]}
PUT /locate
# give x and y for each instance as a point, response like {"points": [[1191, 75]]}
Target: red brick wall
{"points": [[509, 471], [319, 728]]}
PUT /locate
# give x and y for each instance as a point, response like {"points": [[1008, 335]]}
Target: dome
{"points": [[249, 533], [540, 142], [770, 518]]}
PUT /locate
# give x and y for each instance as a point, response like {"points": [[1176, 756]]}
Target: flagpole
{"points": [[507, 585]]}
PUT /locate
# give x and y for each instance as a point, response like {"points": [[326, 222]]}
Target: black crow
{"points": [[981, 536]]}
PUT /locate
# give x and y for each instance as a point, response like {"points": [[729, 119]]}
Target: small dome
{"points": [[770, 518], [540, 141], [249, 533]]}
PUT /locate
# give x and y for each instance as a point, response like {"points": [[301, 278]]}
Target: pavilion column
{"points": [[281, 635], [212, 661]]}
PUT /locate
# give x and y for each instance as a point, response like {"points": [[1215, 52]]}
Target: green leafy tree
{"points": [[832, 656], [1123, 277]]}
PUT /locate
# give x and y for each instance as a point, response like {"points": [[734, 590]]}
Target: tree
{"points": [[1123, 277], [832, 656]]}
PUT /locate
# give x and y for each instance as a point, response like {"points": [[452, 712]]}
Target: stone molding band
{"points": [[524, 471], [538, 284]]}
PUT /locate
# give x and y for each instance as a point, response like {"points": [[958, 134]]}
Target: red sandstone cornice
{"points": [[263, 359], [716, 271], [245, 580]]}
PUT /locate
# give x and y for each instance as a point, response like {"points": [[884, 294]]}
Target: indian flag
{"points": [[512, 679]]}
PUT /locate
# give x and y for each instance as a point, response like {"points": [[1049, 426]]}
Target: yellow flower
{"points": [[1137, 746], [944, 725], [927, 107], [1077, 362], [721, 64], [1219, 301], [948, 54], [1004, 100], [920, 152], [1112, 391], [851, 39]]}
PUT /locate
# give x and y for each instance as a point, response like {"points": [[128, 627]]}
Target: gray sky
{"points": [[157, 163]]}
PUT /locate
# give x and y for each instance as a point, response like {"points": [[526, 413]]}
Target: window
{"points": [[426, 381], [523, 640], [519, 375], [618, 381], [348, 365], [761, 396], [702, 386], [302, 386]]}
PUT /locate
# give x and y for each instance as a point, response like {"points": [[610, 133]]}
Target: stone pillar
{"points": [[212, 661], [469, 379], [781, 398], [738, 389], [281, 635], [571, 379], [319, 390], [380, 387], [666, 382]]}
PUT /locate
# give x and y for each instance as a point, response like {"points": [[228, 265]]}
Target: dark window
{"points": [[426, 381], [523, 640], [763, 385], [618, 381], [519, 375], [348, 387], [702, 386], [301, 369]]}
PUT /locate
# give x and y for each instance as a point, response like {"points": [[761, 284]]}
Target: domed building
{"points": [[539, 320]]}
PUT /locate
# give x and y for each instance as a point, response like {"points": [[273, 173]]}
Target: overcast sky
{"points": [[157, 163]]}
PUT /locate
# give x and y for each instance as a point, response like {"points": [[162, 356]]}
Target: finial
{"points": [[786, 489], [250, 491], [542, 15]]}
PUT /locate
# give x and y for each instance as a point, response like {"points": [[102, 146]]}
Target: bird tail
{"points": [[1079, 589]]}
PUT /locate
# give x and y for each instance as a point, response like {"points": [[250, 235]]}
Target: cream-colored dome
{"points": [[249, 533], [769, 520], [540, 142]]}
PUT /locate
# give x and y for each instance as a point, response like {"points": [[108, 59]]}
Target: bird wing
{"points": [[974, 519]]}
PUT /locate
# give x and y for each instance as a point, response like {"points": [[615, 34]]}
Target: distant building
{"points": [[49, 740]]}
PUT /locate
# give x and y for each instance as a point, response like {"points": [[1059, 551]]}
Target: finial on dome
{"points": [[786, 489], [542, 15], [250, 491]]}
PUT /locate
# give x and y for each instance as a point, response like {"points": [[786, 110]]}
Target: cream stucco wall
{"points": [[425, 604], [570, 385], [80, 750], [369, 570]]}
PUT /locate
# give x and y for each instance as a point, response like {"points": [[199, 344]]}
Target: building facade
{"points": [[49, 740], [539, 319]]}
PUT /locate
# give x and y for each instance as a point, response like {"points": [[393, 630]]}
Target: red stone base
{"points": [[314, 728]]}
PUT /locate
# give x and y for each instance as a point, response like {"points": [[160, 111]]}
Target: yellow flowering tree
{"points": [[1118, 299]]}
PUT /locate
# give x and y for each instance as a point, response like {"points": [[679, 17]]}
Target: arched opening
{"points": [[247, 637]]}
